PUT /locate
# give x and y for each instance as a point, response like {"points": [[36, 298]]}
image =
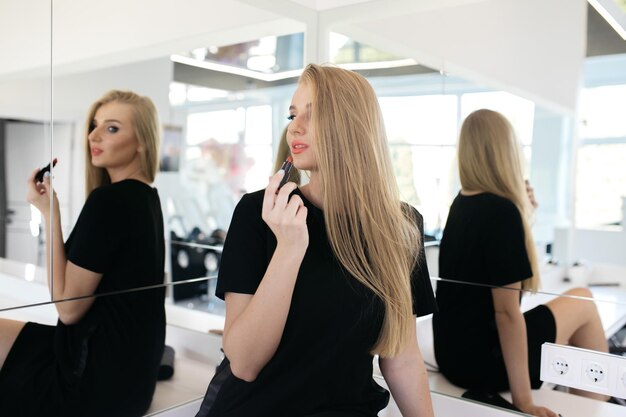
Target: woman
{"points": [[102, 357], [318, 279], [482, 339]]}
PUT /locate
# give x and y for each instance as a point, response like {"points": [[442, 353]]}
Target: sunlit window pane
{"points": [[434, 176], [424, 120], [602, 112], [259, 125], [258, 167], [519, 111], [222, 126], [600, 184]]}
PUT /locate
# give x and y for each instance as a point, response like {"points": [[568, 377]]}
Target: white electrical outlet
{"points": [[584, 369], [594, 374], [559, 365]]}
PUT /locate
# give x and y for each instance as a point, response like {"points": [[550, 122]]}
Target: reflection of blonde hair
{"points": [[281, 154], [373, 235], [147, 132], [490, 160]]}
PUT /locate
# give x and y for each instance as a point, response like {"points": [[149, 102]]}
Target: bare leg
{"points": [[578, 324], [9, 329]]}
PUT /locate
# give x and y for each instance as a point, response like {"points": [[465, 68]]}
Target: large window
{"points": [[601, 177], [229, 153], [422, 133]]}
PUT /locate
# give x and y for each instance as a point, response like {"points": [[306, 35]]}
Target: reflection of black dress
{"points": [[107, 363], [323, 362], [483, 243]]}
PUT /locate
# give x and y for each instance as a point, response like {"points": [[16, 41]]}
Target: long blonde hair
{"points": [[373, 235], [147, 131], [490, 159]]}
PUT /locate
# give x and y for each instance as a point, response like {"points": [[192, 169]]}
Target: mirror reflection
{"points": [[117, 244], [25, 140], [221, 137]]}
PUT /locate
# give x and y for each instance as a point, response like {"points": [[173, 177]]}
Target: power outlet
{"points": [[584, 369], [594, 374], [560, 365]]}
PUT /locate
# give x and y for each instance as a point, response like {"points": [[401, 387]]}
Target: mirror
{"points": [[25, 140], [221, 130], [455, 361]]}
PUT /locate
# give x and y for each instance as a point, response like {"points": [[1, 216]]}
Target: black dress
{"points": [[483, 245], [323, 364], [107, 363]]}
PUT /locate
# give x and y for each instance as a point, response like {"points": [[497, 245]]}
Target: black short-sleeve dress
{"points": [[107, 363], [483, 246], [323, 364]]}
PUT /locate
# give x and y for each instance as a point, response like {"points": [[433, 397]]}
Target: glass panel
{"points": [[344, 50], [267, 55], [421, 120], [601, 186], [519, 111], [25, 140], [184, 368], [461, 337], [600, 112]]}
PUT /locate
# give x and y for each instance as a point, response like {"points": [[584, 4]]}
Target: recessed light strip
{"points": [[235, 70], [286, 74]]}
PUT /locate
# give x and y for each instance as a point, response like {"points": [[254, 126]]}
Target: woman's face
{"points": [[112, 141], [299, 136]]}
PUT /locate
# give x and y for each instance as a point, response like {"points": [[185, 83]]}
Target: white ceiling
{"points": [[498, 42]]}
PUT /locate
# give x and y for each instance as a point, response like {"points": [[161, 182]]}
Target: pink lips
{"points": [[298, 147], [96, 151]]}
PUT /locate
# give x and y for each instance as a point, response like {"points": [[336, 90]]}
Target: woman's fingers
{"points": [[270, 191], [31, 177]]}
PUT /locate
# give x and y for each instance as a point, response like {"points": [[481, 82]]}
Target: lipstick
{"points": [[42, 171], [286, 166]]}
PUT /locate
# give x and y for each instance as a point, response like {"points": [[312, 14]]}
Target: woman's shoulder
{"points": [[253, 199], [249, 207], [413, 213], [487, 201], [123, 194]]}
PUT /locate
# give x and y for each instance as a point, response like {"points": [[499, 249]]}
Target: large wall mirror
{"points": [[221, 76], [25, 144]]}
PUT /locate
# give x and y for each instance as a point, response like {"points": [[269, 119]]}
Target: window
{"points": [[421, 131], [601, 178]]}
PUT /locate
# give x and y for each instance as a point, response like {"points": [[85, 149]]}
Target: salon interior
{"points": [[222, 73]]}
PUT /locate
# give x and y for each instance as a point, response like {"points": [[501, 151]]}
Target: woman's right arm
{"points": [[513, 342], [255, 323], [70, 280]]}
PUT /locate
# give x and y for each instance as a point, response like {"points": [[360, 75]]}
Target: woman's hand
{"points": [[38, 193], [537, 410], [285, 216]]}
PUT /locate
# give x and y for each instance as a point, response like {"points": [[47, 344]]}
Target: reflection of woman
{"points": [[102, 357], [317, 279], [482, 340]]}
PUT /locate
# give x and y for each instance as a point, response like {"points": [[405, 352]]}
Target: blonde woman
{"points": [[482, 339], [102, 357], [320, 278]]}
